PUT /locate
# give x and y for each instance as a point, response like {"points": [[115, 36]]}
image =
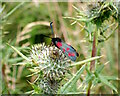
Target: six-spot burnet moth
{"points": [[67, 49]]}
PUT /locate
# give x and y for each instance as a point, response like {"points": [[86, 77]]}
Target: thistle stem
{"points": [[94, 50]]}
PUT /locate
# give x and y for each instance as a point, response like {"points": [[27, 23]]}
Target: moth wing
{"points": [[69, 51]]}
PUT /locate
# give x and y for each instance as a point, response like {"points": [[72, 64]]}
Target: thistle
{"points": [[51, 62], [102, 11]]}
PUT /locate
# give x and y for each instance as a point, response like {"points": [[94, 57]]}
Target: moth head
{"points": [[56, 40]]}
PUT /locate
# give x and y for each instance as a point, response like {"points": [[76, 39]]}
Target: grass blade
{"points": [[13, 10], [111, 77], [85, 61], [105, 81], [12, 60], [23, 56]]}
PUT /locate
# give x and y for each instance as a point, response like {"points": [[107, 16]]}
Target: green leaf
{"points": [[13, 10], [95, 81], [27, 64], [105, 81], [23, 56], [73, 80], [89, 76], [81, 13], [77, 93], [85, 61], [37, 89], [99, 69], [13, 60], [111, 77], [29, 92]]}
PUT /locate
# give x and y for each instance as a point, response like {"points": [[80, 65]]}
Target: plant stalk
{"points": [[94, 50]]}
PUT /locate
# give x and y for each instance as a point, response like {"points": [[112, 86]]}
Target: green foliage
{"points": [[50, 70], [72, 81], [22, 25]]}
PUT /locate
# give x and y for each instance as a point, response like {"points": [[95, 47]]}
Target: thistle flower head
{"points": [[101, 11], [52, 62], [49, 86]]}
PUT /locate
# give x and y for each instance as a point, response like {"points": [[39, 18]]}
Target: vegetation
{"points": [[29, 64]]}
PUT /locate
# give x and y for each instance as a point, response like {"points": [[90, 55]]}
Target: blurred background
{"points": [[23, 26]]}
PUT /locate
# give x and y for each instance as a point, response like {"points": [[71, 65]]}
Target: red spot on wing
{"points": [[63, 49], [71, 54], [59, 44], [68, 49]]}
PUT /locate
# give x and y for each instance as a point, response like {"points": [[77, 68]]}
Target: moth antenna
{"points": [[51, 28]]}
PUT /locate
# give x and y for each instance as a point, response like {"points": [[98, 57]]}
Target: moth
{"points": [[67, 49]]}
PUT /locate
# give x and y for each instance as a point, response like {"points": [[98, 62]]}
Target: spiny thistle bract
{"points": [[101, 11], [51, 62], [49, 86]]}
